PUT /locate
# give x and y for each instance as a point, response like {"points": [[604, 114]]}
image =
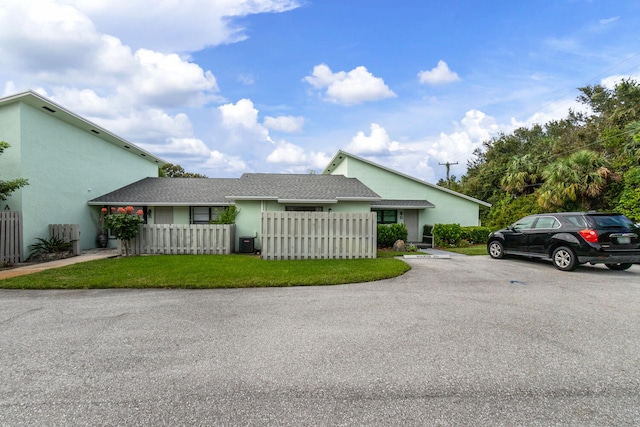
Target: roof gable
{"points": [[43, 104], [340, 156]]}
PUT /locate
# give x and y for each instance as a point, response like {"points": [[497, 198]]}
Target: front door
{"points": [[411, 222]]}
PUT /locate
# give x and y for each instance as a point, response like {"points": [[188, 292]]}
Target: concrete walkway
{"points": [[89, 255], [440, 252]]}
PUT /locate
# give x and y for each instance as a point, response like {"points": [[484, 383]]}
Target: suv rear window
{"points": [[606, 221]]}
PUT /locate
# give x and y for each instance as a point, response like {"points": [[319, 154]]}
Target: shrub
{"points": [[388, 234], [629, 203], [53, 245], [447, 234], [476, 235], [228, 216], [124, 223]]}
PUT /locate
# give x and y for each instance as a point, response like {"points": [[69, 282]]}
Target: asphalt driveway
{"points": [[460, 341]]}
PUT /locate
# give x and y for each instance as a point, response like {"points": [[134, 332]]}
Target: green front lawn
{"points": [[469, 250], [207, 271]]}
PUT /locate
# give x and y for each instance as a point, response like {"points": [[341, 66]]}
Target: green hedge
{"points": [[476, 235], [455, 235], [388, 234], [447, 234]]}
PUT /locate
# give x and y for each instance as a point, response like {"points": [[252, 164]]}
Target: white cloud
{"points": [[287, 153], [288, 124], [441, 74], [458, 146], [377, 142], [246, 79], [607, 21], [201, 23], [297, 159], [183, 147], [611, 81], [242, 114], [355, 87], [241, 120], [86, 102], [169, 80], [58, 45], [135, 125], [218, 162]]}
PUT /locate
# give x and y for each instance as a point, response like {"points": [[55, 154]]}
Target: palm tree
{"points": [[521, 176], [575, 182]]}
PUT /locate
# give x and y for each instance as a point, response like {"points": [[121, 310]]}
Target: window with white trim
{"points": [[205, 214]]}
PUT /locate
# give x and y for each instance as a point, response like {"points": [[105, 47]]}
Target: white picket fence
{"points": [[68, 233], [182, 239], [11, 237], [318, 235]]}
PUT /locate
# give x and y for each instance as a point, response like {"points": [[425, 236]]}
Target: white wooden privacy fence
{"points": [[325, 235], [179, 239], [10, 237], [68, 233]]}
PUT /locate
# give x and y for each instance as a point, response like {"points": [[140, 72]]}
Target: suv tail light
{"points": [[589, 235]]}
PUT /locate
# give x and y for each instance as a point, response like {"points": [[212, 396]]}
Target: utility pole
{"points": [[448, 165]]}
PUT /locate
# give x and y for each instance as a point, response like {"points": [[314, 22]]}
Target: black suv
{"points": [[569, 239]]}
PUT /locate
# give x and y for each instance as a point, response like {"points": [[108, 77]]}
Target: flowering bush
{"points": [[124, 223]]}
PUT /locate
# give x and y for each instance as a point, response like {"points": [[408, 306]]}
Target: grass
{"points": [[469, 250], [207, 272], [388, 253]]}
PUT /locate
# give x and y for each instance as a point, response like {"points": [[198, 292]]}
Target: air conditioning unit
{"points": [[246, 245]]}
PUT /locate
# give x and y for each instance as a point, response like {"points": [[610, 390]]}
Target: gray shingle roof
{"points": [[301, 187], [222, 191], [171, 191]]}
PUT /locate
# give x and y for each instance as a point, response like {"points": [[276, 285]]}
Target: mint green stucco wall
{"points": [[450, 209], [10, 165], [66, 167]]}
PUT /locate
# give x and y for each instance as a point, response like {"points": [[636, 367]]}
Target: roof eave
{"points": [[307, 201], [401, 207], [358, 199], [148, 203]]}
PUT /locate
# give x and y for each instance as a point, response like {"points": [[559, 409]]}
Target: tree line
{"points": [[585, 161]]}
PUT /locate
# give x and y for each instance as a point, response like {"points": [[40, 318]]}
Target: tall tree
{"points": [[8, 187], [575, 182], [176, 171], [629, 202], [522, 175]]}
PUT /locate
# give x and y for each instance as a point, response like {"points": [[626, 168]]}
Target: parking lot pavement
{"points": [[459, 341]]}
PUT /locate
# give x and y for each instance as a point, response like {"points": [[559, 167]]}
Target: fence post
{"points": [[11, 237]]}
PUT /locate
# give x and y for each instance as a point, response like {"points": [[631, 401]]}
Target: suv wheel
{"points": [[620, 266], [495, 249], [564, 259]]}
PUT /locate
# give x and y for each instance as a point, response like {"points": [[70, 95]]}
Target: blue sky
{"points": [[230, 86]]}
